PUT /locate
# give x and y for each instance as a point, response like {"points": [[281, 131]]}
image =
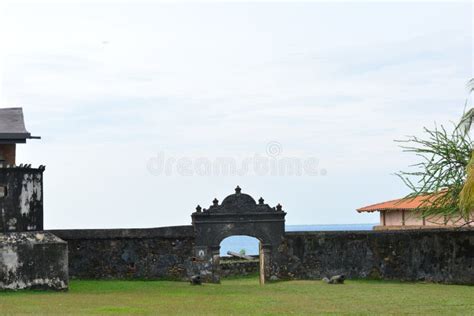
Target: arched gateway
{"points": [[238, 214]]}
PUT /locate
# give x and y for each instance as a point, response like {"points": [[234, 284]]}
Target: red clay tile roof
{"points": [[399, 204]]}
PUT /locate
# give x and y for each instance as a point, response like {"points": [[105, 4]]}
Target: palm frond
{"points": [[470, 85], [466, 121]]}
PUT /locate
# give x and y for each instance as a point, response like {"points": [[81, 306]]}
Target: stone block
{"points": [[33, 260]]}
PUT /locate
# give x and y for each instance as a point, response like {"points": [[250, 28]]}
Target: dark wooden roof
{"points": [[12, 126]]}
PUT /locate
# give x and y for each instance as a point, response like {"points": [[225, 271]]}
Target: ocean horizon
{"points": [[250, 244]]}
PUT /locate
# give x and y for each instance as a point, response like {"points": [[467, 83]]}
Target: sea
{"points": [[250, 244]]}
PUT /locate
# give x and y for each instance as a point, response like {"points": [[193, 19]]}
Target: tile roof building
{"points": [[405, 214]]}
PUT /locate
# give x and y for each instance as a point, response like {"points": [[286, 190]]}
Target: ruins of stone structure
{"points": [[179, 252], [239, 214], [29, 257], [33, 258]]}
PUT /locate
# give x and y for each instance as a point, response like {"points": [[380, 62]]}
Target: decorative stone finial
{"points": [[279, 207], [198, 209], [215, 202], [238, 190], [261, 200]]}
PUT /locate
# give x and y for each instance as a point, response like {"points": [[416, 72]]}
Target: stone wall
{"points": [[21, 205], [33, 260], [428, 255], [158, 253], [233, 267], [168, 253]]}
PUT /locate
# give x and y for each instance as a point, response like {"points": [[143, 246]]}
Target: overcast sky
{"points": [[115, 89]]}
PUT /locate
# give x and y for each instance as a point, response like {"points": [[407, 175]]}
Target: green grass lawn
{"points": [[243, 296]]}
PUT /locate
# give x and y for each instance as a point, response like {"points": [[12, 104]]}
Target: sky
{"points": [[139, 104]]}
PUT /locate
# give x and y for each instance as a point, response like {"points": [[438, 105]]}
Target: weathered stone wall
{"points": [[230, 266], [430, 255], [168, 253], [33, 260], [158, 253], [21, 209]]}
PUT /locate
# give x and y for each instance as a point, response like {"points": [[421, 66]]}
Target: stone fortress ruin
{"points": [[31, 257]]}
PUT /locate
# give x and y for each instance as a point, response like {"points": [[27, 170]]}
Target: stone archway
{"points": [[238, 214]]}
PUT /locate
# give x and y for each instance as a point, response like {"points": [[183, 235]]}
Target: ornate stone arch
{"points": [[238, 214]]}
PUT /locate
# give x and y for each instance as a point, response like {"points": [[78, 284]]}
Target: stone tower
{"points": [[21, 187], [29, 257]]}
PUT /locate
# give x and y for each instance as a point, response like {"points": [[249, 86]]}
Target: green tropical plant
{"points": [[441, 173], [466, 197], [445, 175], [467, 118]]}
